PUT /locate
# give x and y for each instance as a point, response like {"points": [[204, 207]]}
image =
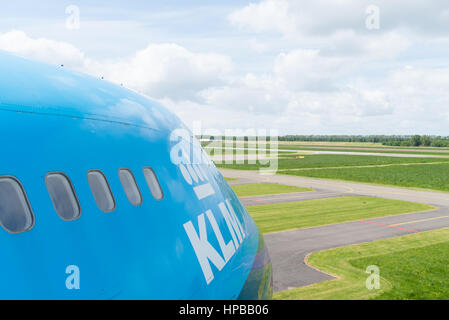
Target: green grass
{"points": [[333, 160], [411, 267], [311, 213], [352, 147], [419, 150], [230, 179], [247, 190], [434, 176]]}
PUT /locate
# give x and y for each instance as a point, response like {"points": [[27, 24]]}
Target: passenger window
{"points": [[101, 190], [15, 211], [63, 196], [130, 186], [153, 183]]}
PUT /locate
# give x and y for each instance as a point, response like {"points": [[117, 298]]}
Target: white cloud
{"points": [[308, 70], [54, 52], [159, 70], [303, 90], [293, 18], [271, 15], [366, 47], [257, 46], [338, 28], [169, 70], [420, 94]]}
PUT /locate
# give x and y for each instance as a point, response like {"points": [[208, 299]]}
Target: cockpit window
{"points": [[63, 196], [101, 191], [130, 186], [153, 183], [15, 211]]}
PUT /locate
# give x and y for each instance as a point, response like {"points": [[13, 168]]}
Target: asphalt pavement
{"points": [[288, 249]]}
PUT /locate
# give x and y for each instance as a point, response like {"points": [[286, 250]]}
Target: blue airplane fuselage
{"points": [[197, 242]]}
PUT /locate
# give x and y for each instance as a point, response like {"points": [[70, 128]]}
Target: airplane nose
{"points": [[259, 284]]}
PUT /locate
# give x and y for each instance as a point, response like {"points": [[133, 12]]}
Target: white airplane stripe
{"points": [[203, 191]]}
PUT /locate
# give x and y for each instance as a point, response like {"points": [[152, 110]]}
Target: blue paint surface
{"points": [[51, 120]]}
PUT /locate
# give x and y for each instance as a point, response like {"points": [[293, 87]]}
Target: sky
{"points": [[298, 67]]}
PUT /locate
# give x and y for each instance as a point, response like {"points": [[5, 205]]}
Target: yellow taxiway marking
{"points": [[350, 190], [421, 220]]}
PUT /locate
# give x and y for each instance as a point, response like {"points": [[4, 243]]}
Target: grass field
{"points": [[310, 213], [342, 146], [425, 173], [334, 160], [411, 267], [349, 145], [309, 143], [438, 152], [434, 176], [230, 179], [247, 190]]}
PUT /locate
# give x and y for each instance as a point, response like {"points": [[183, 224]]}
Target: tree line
{"points": [[393, 140]]}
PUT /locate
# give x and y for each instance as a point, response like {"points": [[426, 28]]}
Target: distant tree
{"points": [[426, 141], [440, 143], [398, 140], [437, 143], [416, 141], [406, 143]]}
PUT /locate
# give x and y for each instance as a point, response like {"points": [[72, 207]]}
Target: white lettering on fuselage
{"points": [[203, 191], [204, 251]]}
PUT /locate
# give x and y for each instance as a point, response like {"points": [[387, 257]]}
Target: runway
{"points": [[311, 151], [288, 249]]}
